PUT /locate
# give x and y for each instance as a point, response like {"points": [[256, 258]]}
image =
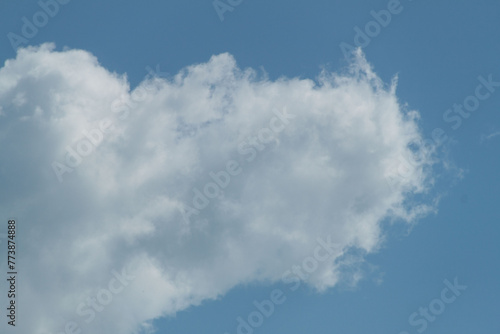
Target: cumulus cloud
{"points": [[192, 184]]}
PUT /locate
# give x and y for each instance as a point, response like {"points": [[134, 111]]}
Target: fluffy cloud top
{"points": [[195, 184]]}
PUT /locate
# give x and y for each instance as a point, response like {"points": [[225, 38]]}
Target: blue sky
{"points": [[441, 52]]}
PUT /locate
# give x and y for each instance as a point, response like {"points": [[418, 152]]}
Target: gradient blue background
{"points": [[438, 48]]}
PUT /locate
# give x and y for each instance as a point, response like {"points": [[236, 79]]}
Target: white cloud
{"points": [[325, 173], [489, 136]]}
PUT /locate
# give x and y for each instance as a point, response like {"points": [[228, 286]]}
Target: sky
{"points": [[238, 166]]}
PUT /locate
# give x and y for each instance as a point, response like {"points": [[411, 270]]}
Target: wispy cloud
{"points": [[485, 137]]}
